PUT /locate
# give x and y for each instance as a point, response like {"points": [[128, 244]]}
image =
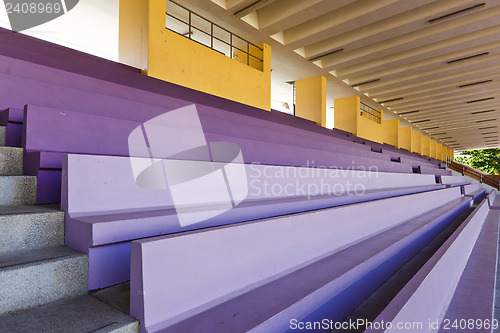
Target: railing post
{"points": [[212, 35]]}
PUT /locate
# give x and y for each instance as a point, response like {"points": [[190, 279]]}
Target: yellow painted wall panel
{"points": [[426, 146], [369, 129], [133, 33], [404, 139], [439, 151], [346, 111], [176, 59], [391, 131], [310, 99], [416, 142], [433, 149]]}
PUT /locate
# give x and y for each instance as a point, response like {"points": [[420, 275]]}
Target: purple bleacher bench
{"points": [[308, 266], [50, 131], [434, 171], [493, 201], [452, 181], [457, 284], [475, 191], [105, 207]]}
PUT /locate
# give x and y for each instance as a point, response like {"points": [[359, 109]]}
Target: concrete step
{"points": [[35, 277], [30, 227], [11, 161], [81, 314], [17, 190], [2, 135]]}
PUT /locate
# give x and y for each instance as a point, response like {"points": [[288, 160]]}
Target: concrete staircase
{"points": [[43, 283]]}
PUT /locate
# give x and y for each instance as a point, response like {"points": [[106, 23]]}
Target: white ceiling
{"points": [[434, 62]]}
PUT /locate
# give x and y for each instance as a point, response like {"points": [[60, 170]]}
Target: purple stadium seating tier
{"points": [[449, 270], [267, 273], [297, 295], [474, 296], [37, 51], [104, 206], [100, 213], [237, 125], [83, 133]]}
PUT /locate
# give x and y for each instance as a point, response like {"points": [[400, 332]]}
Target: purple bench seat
{"points": [[493, 201], [475, 191], [76, 132], [452, 181], [321, 267], [105, 206], [434, 171], [93, 134], [458, 282]]}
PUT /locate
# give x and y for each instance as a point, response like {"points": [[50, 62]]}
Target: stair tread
{"points": [[16, 259], [19, 176], [28, 209], [3, 148], [81, 314]]}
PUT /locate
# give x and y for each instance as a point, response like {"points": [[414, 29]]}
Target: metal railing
{"points": [[466, 170], [370, 113], [212, 35]]}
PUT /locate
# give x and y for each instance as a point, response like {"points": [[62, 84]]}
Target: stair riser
{"points": [[2, 136], [30, 285], [11, 161], [20, 190], [31, 231]]}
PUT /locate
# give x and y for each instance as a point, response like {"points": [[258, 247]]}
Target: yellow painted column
{"points": [[310, 99], [439, 151], [133, 33], [346, 113], [404, 138], [426, 146], [433, 149], [391, 132], [368, 127], [416, 142]]}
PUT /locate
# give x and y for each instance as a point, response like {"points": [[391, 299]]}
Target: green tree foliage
{"points": [[486, 160]]}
